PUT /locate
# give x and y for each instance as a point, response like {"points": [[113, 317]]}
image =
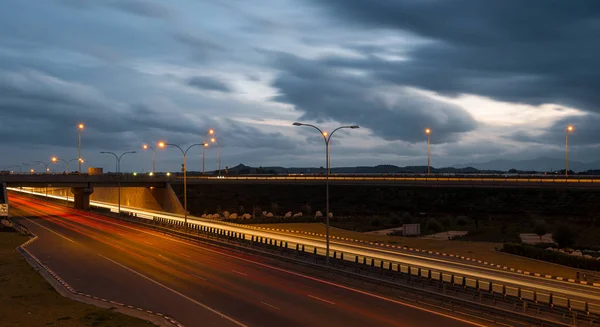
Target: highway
{"points": [[197, 285], [577, 291]]}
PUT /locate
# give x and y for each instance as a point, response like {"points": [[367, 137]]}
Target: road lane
{"points": [[577, 291], [253, 294]]}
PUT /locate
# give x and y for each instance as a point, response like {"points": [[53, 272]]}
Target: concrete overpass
{"points": [[82, 186]]}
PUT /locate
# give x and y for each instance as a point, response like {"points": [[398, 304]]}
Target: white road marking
{"points": [[270, 305], [147, 242], [185, 255], [320, 299], [176, 292], [50, 230], [238, 272]]}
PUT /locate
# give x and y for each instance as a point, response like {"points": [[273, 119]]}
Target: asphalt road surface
{"points": [[198, 285]]}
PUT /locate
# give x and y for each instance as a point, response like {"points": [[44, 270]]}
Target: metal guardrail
{"points": [[502, 289], [383, 269]]}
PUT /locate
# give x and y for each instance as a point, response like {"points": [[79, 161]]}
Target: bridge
{"points": [[82, 186]]}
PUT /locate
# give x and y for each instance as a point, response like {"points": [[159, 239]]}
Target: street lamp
{"points": [[79, 129], [118, 159], [43, 163], [213, 140], [21, 166], [163, 145], [146, 147], [569, 130], [210, 132], [428, 132], [47, 170], [327, 139], [56, 159]]}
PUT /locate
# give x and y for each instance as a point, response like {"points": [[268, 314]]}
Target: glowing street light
{"points": [[213, 140], [163, 145], [118, 159], [327, 139], [210, 132], [569, 130], [146, 147], [428, 132], [79, 129]]}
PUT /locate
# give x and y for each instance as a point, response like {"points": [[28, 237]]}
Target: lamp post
{"points": [[209, 132], [327, 139], [56, 159], [146, 147], [118, 159], [428, 132], [213, 140], [569, 130], [21, 166], [47, 170], [163, 145], [79, 129]]}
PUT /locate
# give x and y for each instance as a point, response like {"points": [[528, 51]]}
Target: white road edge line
{"points": [[282, 270], [238, 272], [50, 230], [270, 305], [320, 299], [176, 292]]}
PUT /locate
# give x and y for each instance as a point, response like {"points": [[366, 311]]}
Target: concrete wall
{"points": [[154, 198]]}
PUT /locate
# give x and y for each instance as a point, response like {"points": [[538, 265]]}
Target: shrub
{"points": [[434, 226], [257, 212], [540, 228], [462, 221], [446, 222], [564, 235], [395, 219], [407, 218], [551, 256]]}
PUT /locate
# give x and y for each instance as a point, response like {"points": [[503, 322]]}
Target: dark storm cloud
{"points": [[539, 51], [323, 93], [208, 83], [586, 132], [36, 108]]}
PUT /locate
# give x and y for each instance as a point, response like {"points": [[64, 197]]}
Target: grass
{"points": [[26, 299], [485, 251]]}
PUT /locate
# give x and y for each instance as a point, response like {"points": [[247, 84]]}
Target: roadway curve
{"points": [[197, 285]]}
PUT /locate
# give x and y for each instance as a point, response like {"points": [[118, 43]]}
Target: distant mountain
{"points": [[381, 169], [541, 164]]}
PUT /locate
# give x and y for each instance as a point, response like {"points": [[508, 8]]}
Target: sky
{"points": [[491, 79]]}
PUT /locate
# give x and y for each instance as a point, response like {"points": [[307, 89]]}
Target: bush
{"points": [[533, 252], [257, 212], [564, 235], [434, 226], [540, 228], [395, 219], [446, 222], [462, 221], [407, 218]]}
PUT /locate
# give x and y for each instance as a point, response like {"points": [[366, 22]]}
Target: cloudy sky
{"points": [[492, 79]]}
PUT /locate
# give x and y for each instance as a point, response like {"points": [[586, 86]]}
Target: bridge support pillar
{"points": [[82, 197]]}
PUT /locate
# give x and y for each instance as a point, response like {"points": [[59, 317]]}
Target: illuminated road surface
{"points": [[581, 292], [196, 285]]}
